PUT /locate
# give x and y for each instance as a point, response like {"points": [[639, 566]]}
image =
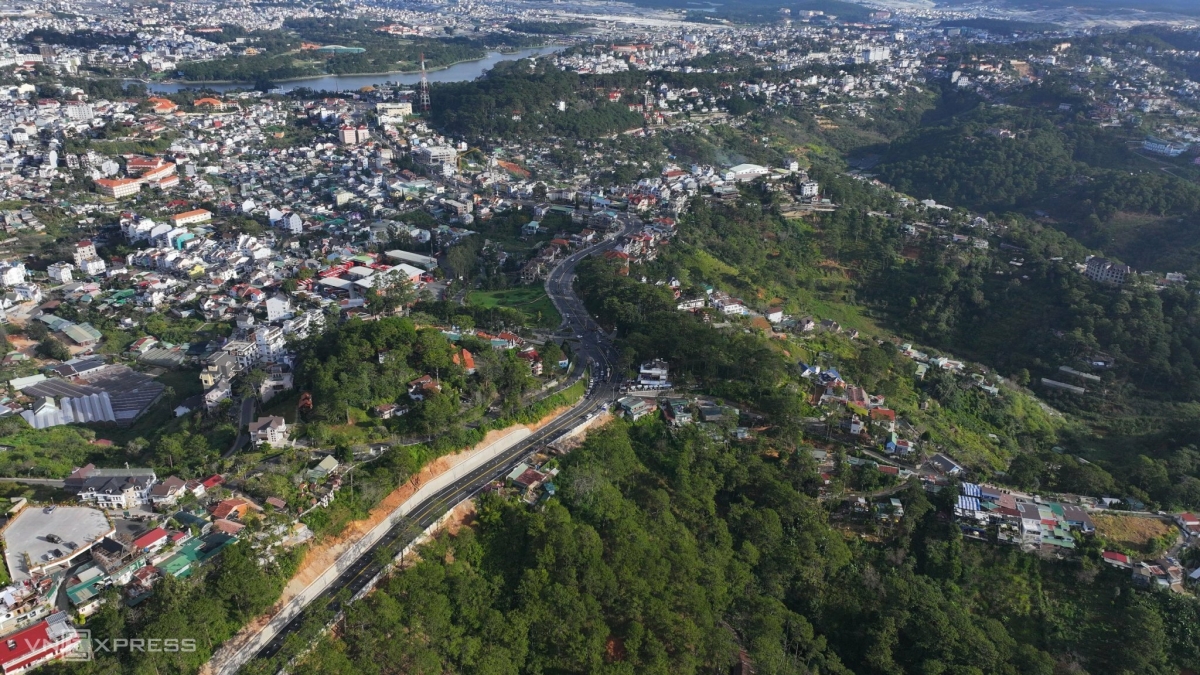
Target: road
{"points": [[245, 417], [592, 347]]}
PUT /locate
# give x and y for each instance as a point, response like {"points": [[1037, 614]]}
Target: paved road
{"points": [[245, 417], [593, 347], [52, 482]]}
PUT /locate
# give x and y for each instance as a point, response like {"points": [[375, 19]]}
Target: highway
{"points": [[590, 345]]}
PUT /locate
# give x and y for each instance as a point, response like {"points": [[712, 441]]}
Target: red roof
{"points": [[212, 481], [1116, 557], [150, 538], [21, 649]]}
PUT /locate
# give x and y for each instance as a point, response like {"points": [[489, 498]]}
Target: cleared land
{"points": [[531, 301], [1131, 531]]}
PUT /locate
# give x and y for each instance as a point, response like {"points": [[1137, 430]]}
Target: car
{"points": [[54, 538], [50, 509]]}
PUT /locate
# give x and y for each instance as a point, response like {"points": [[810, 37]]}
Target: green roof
{"points": [[194, 552]]}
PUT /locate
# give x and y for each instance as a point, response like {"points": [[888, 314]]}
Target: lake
{"points": [[459, 72]]}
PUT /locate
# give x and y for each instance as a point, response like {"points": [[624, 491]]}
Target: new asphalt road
{"points": [[590, 345]]}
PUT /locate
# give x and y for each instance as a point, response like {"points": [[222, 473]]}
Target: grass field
{"points": [[1130, 531], [531, 301]]}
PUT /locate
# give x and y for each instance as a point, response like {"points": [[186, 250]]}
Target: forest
{"points": [[517, 99], [671, 553]]}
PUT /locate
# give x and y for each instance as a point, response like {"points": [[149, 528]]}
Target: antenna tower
{"points": [[423, 88]]}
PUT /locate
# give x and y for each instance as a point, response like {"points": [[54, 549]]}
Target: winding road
{"points": [[590, 345]]}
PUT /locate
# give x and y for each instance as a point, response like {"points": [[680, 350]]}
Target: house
{"points": [[635, 407], [423, 386], [653, 374], [465, 359], [230, 508], [326, 466], [222, 390], [1119, 560], [774, 314], [1189, 523], [152, 540], [50, 639], [111, 488], [389, 410], [945, 465], [273, 430], [167, 492]]}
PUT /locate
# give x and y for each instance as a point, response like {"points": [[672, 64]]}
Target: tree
{"points": [[51, 348]]}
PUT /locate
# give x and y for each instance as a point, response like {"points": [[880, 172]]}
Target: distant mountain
{"points": [[1190, 7]]}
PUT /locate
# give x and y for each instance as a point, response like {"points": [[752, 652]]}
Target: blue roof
{"points": [[968, 503], [970, 490]]}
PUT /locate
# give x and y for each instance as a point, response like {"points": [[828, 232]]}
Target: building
{"points": [[270, 341], [12, 273], [273, 430], [635, 407], [653, 374], [189, 217], [1159, 146], [111, 488], [60, 272], [79, 111], [84, 250], [279, 307], [118, 187], [221, 366], [436, 155], [1106, 271], [393, 108], [48, 640]]}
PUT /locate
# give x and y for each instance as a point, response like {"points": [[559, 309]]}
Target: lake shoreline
{"points": [[290, 80]]}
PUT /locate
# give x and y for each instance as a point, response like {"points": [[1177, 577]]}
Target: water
{"points": [[459, 72]]}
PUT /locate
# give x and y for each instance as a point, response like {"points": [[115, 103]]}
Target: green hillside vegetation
{"points": [[489, 106], [669, 553]]}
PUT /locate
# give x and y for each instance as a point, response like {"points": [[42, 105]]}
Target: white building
{"points": [[279, 307], [434, 155], [271, 343], [654, 374], [1106, 271], [12, 273], [60, 272], [84, 250]]}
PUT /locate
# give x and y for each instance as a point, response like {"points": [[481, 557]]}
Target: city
{"points": [[587, 336]]}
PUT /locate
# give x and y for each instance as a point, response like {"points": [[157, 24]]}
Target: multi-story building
{"points": [[434, 155], [271, 343], [278, 307], [118, 187], [84, 250], [1106, 271], [273, 430], [60, 272], [189, 217], [12, 273], [654, 374], [112, 488], [244, 352]]}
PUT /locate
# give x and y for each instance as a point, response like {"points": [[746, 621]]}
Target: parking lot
{"points": [[77, 528]]}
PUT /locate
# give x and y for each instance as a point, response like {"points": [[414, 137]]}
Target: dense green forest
{"points": [[517, 99], [672, 553]]}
